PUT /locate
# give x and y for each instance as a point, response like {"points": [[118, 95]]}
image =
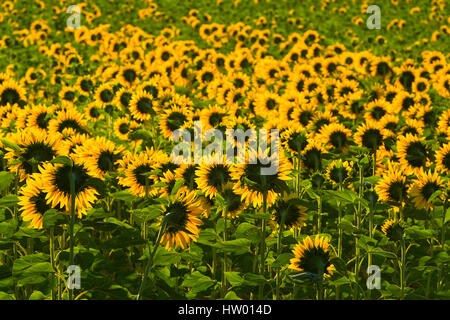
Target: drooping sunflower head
{"points": [[212, 178], [370, 135], [12, 93], [294, 139], [413, 152], [58, 179], [262, 174], [393, 230], [313, 255], [443, 158], [312, 156], [336, 136], [138, 170], [182, 220], [100, 156], [36, 147], [428, 183], [393, 186], [288, 211], [32, 201], [143, 106], [338, 171]]}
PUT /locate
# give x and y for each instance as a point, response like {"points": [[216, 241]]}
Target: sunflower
{"points": [[68, 121], [443, 159], [251, 180], [137, 169], [214, 117], [428, 183], [182, 220], [303, 114], [85, 85], [173, 119], [12, 93], [294, 139], [321, 119], [128, 75], [104, 94], [376, 110], [211, 178], [93, 113], [69, 144], [143, 106], [32, 201], [267, 104], [100, 156], [370, 135], [312, 156], [313, 255], [393, 185], [444, 122], [169, 179], [39, 117], [123, 126], [413, 152], [187, 173], [36, 147], [232, 201], [338, 171], [393, 230], [336, 136], [290, 210], [56, 180]]}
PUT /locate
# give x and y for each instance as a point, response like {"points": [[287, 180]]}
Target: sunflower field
{"points": [[93, 205]]}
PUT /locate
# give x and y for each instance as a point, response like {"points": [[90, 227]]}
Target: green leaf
{"points": [[198, 282], [9, 144], [416, 232], [32, 269], [282, 260], [248, 231], [5, 179], [306, 275], [6, 296], [178, 184], [123, 195], [53, 218], [234, 278], [252, 279], [9, 201], [237, 246], [231, 296], [63, 160], [37, 295]]}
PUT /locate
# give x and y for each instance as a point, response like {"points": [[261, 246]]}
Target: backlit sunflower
{"points": [[294, 139], [313, 255], [211, 178], [39, 117], [370, 135], [36, 147], [68, 121], [393, 185], [137, 169], [290, 210], [443, 158], [413, 152], [100, 156], [338, 171], [393, 230], [182, 217], [251, 180], [56, 183], [428, 183], [12, 93], [312, 156], [32, 201], [143, 106], [173, 119], [335, 136], [187, 173]]}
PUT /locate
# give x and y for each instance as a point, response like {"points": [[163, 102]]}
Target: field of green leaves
{"points": [[94, 206]]}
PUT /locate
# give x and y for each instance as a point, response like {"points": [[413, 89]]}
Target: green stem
{"points": [[150, 260], [319, 214], [71, 225], [443, 225], [278, 283], [52, 260], [224, 277], [358, 218], [402, 265], [263, 245]]}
